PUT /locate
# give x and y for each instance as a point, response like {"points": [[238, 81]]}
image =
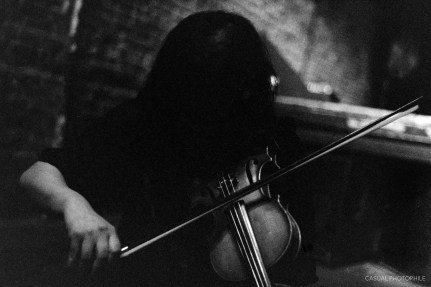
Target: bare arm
{"points": [[93, 240]]}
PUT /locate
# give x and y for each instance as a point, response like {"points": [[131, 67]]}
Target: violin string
{"points": [[242, 234], [245, 232], [242, 244], [259, 265], [234, 218], [258, 261], [402, 111]]}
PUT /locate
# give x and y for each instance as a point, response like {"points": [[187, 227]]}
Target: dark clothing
{"points": [[135, 157]]}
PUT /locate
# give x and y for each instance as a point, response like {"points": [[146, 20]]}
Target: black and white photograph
{"points": [[205, 143]]}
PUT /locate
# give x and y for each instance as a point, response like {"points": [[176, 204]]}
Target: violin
{"points": [[253, 230], [253, 233]]}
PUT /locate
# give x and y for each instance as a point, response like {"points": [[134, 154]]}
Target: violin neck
{"points": [[247, 244]]}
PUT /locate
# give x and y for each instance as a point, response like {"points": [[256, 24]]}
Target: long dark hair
{"points": [[212, 80]]}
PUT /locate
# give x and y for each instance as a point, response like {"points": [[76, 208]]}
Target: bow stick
{"points": [[377, 124]]}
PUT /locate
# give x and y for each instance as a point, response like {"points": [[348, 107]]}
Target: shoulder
{"points": [[118, 125]]}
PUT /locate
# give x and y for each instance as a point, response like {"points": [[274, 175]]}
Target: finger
{"points": [[75, 244], [87, 252], [102, 252], [114, 246]]}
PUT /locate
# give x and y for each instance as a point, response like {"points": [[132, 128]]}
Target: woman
{"points": [[206, 105]]}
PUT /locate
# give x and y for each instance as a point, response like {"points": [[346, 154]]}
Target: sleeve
{"points": [[98, 162]]}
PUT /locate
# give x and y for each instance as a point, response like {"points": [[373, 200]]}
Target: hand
{"points": [[93, 241]]}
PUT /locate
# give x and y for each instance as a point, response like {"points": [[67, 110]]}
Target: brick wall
{"points": [[115, 45], [33, 49]]}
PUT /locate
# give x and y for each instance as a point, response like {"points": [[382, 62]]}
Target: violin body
{"points": [[273, 230]]}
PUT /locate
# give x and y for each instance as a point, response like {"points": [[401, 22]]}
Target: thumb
{"points": [[114, 246]]}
